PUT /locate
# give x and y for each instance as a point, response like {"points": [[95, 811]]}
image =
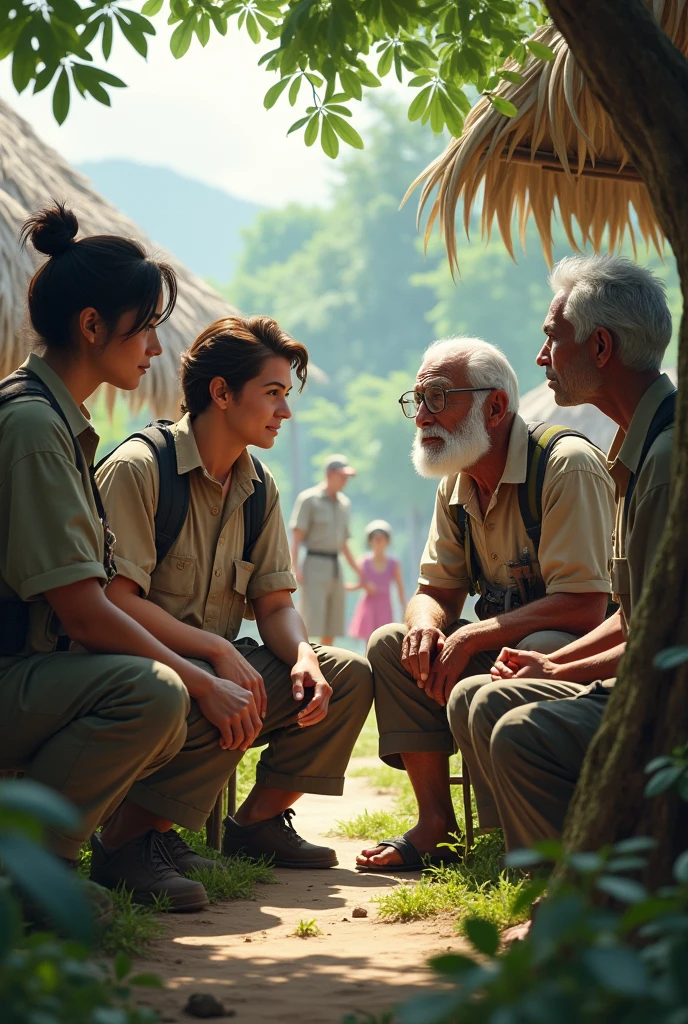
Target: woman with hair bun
{"points": [[90, 703]]}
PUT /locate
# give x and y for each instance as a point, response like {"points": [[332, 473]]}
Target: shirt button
{"points": [[215, 510], [221, 541], [493, 557], [218, 572], [180, 565]]}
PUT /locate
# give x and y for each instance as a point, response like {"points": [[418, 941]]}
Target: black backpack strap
{"points": [[173, 487], [254, 510], [463, 523], [541, 440], [662, 419]]}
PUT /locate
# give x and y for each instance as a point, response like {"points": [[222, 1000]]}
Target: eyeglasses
{"points": [[435, 399]]}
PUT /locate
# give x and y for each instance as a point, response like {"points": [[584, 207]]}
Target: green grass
{"points": [[373, 825], [476, 887], [307, 929], [133, 927]]}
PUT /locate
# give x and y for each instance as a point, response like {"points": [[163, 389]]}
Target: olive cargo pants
{"points": [[408, 720], [99, 727]]}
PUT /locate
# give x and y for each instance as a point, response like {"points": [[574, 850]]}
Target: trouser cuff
{"points": [[193, 818], [393, 744], [299, 783]]}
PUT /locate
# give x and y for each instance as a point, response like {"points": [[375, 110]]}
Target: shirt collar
{"points": [[77, 418], [515, 467], [189, 458], [627, 446]]}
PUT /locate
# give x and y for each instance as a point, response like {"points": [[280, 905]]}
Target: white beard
{"points": [[461, 449]]}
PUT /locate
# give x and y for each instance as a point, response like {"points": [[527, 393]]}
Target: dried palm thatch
{"points": [[30, 175], [560, 152]]}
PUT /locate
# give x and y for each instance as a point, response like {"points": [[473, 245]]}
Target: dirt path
{"points": [[244, 952]]}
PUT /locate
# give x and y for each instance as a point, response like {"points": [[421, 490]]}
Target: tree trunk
{"points": [[642, 81]]}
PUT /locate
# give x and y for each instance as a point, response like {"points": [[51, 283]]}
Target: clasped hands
{"points": [[237, 701], [434, 660]]}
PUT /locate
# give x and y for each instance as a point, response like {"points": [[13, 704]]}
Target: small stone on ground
{"points": [[202, 1004], [359, 912]]}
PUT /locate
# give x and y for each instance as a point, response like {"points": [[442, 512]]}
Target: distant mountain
{"points": [[198, 223]]}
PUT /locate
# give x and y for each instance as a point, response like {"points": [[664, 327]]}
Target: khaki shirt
{"points": [[577, 519], [637, 536], [324, 522], [203, 580], [50, 532]]}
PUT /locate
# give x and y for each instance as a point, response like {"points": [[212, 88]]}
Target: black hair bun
{"points": [[51, 230]]}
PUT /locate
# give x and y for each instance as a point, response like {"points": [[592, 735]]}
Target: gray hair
{"points": [[617, 294], [486, 365]]}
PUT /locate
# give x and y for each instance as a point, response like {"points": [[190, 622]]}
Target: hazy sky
{"points": [[202, 115]]}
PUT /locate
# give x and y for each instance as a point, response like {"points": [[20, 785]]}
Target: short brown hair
{"points": [[235, 348]]}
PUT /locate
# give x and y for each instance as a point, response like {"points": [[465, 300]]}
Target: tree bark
{"points": [[642, 81]]}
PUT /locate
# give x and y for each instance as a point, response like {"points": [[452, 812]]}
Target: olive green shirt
{"points": [[50, 532], [637, 536], [323, 520], [203, 580], [577, 520]]}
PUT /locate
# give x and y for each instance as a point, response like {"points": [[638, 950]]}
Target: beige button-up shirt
{"points": [[50, 532], [637, 535], [577, 520], [203, 580], [324, 522]]}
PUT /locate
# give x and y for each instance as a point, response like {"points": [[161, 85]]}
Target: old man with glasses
{"points": [[523, 519]]}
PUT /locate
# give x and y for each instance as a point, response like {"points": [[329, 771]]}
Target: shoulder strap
{"points": [[173, 487], [662, 419], [541, 440], [25, 384], [254, 510]]}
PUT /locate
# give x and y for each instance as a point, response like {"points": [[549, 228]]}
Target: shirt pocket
{"points": [[243, 571], [172, 584]]}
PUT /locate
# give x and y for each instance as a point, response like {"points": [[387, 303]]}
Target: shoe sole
{"points": [[316, 865], [178, 905]]}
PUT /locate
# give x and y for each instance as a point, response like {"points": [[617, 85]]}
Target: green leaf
{"points": [[528, 894], [524, 858], [635, 844], [681, 868], [663, 779], [385, 62], [203, 29], [49, 884], [419, 103], [618, 970], [503, 106], [623, 889], [328, 139], [311, 132], [252, 27], [133, 36], [451, 964], [671, 657], [107, 38], [274, 92], [346, 132], [152, 7], [294, 89], [25, 795], [298, 124], [483, 935], [584, 862], [182, 36], [122, 965], [368, 78], [511, 76], [351, 84], [436, 114], [220, 22], [540, 51], [146, 980]]}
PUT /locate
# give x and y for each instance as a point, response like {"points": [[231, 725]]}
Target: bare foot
{"points": [[517, 933], [424, 840]]}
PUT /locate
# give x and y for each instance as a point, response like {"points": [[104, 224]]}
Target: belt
{"points": [[324, 554]]}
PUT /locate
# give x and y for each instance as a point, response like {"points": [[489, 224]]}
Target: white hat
{"points": [[378, 524]]}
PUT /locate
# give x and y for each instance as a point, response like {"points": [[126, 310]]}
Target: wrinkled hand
{"points": [[306, 675], [514, 664], [448, 667], [232, 709], [232, 665], [419, 649]]}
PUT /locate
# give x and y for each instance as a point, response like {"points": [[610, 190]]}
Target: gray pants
{"points": [[524, 744], [408, 720]]}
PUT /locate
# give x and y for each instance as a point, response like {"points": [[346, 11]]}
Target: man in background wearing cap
{"points": [[320, 521]]}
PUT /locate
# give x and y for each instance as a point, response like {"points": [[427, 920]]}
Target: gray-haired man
{"points": [[530, 723]]}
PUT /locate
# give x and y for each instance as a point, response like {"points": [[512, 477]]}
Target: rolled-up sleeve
{"points": [[577, 522], [301, 515], [271, 556], [444, 563], [129, 495]]}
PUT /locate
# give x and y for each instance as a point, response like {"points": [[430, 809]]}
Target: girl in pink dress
{"points": [[378, 571]]}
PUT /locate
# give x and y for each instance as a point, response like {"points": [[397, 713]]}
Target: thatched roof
{"points": [[31, 174], [539, 405], [559, 154]]}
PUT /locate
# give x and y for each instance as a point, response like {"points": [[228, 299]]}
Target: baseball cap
{"points": [[339, 462]]}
